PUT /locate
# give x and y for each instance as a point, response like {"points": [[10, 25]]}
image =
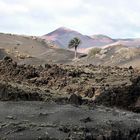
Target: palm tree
{"points": [[74, 43]]}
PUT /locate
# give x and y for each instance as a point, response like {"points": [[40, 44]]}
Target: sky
{"points": [[115, 18]]}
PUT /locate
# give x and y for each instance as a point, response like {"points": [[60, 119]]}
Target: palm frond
{"points": [[74, 42]]}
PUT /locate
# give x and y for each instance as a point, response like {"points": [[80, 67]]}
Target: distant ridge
{"points": [[63, 35]]}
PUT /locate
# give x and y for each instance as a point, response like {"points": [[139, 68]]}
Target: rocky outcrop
{"points": [[15, 93], [110, 86], [75, 99]]}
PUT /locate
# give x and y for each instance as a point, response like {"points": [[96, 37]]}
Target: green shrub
{"points": [[93, 52]]}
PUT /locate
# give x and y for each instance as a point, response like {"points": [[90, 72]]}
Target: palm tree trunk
{"points": [[75, 52]]}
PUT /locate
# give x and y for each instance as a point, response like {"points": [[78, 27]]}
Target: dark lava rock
{"points": [[7, 58], [75, 99], [130, 67], [118, 87], [90, 92], [137, 105], [85, 120], [89, 136], [138, 137], [100, 137], [14, 93], [64, 129]]}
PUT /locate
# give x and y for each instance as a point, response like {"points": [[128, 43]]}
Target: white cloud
{"points": [[118, 18], [12, 8]]}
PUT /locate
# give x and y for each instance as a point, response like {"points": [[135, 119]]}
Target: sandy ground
{"points": [[26, 120]]}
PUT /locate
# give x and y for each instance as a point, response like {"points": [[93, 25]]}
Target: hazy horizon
{"points": [[119, 19]]}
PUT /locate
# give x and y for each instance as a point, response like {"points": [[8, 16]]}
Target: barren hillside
{"points": [[36, 51], [116, 55], [32, 50]]}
